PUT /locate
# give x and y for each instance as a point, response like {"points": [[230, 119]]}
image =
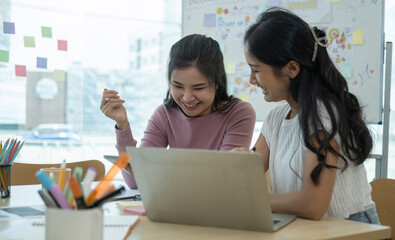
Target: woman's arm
{"points": [[154, 136], [313, 201], [262, 148], [240, 127]]}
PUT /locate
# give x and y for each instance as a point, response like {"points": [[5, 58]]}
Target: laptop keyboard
{"points": [[276, 221]]}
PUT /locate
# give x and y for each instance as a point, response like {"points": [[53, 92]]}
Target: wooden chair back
{"points": [[25, 173], [383, 194]]}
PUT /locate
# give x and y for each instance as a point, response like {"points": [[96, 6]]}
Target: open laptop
{"points": [[204, 187]]}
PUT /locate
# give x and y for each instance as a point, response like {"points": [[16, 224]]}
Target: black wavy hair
{"points": [[280, 36], [205, 54]]}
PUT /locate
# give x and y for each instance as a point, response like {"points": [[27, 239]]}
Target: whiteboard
{"points": [[355, 29]]}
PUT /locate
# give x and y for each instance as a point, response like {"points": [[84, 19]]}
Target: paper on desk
{"points": [[139, 210], [125, 204], [21, 212]]}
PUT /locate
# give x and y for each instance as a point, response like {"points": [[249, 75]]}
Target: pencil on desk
{"points": [[131, 228]]}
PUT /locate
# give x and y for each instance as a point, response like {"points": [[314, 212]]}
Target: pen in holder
{"points": [[65, 224], [70, 214], [5, 181]]}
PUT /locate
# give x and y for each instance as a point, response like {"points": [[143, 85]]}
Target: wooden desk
{"points": [[328, 228]]}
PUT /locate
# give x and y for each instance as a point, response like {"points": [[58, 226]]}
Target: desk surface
{"points": [[328, 228]]}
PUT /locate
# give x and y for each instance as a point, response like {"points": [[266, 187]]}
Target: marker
{"points": [[53, 189], [48, 200], [86, 183], [75, 187], [107, 197], [121, 163], [78, 174]]}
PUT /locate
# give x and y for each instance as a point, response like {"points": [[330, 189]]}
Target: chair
{"points": [[383, 194], [25, 173]]}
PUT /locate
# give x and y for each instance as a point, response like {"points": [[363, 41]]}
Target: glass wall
{"points": [[56, 57]]}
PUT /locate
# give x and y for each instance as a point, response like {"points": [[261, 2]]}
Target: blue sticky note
{"points": [[9, 27], [273, 3], [41, 62], [209, 20], [346, 70]]}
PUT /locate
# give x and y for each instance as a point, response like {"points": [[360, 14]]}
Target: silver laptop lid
{"points": [[203, 187]]}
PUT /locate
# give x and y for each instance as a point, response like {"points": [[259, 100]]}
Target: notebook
{"points": [[206, 188], [115, 227]]}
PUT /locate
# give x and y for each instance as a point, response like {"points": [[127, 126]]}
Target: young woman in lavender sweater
{"points": [[197, 112]]}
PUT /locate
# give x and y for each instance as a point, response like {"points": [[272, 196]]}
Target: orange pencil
{"points": [[131, 228], [121, 162]]}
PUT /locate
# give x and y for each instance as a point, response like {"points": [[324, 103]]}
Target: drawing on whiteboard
{"points": [[341, 50], [312, 11], [240, 80], [231, 21], [366, 75]]}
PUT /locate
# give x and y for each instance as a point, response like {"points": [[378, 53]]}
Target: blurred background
{"points": [[62, 54]]}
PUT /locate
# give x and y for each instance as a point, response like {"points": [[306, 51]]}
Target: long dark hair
{"points": [[280, 36], [205, 54]]}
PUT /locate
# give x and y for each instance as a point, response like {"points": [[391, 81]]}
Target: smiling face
{"points": [[275, 87], [192, 92]]}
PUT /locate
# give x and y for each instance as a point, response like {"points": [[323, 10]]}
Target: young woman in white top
{"points": [[314, 145]]}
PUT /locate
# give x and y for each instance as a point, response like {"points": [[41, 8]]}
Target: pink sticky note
{"points": [[20, 70], [62, 45], [139, 210]]}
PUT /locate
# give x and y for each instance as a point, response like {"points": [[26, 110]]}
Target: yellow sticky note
{"points": [[59, 75], [333, 1], [357, 36], [244, 97], [29, 42], [125, 204], [230, 67]]}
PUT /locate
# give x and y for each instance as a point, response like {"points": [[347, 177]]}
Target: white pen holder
{"points": [[74, 224]]}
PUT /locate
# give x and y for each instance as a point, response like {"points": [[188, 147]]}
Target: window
{"points": [[73, 50]]}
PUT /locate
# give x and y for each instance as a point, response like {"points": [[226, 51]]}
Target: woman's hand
{"points": [[240, 149], [112, 107]]}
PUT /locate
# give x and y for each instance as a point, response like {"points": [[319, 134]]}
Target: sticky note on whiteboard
{"points": [[209, 20], [244, 97], [346, 70], [230, 67], [357, 37]]}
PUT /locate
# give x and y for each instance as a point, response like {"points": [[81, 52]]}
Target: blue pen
{"points": [[53, 189]]}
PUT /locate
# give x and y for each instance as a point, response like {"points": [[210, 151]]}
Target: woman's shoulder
{"points": [[237, 104], [279, 111]]}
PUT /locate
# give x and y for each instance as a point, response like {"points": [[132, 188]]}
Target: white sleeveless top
{"points": [[352, 191]]}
